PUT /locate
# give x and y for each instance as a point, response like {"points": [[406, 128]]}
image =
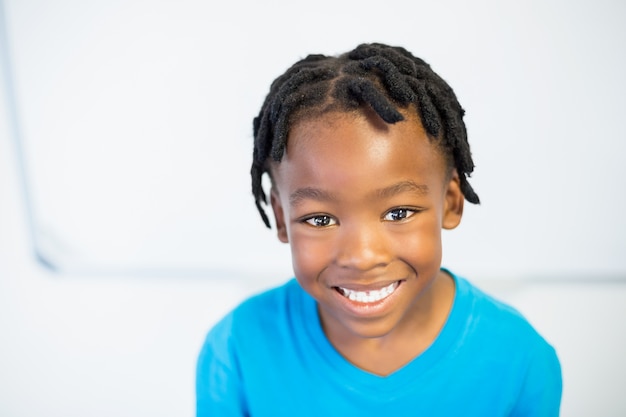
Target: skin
{"points": [[362, 204]]}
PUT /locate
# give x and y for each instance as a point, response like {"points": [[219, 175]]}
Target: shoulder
{"points": [[258, 318], [260, 308], [509, 327], [501, 324], [498, 329], [506, 340], [496, 315], [264, 312], [242, 342], [268, 298]]}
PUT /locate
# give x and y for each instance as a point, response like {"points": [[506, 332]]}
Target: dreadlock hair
{"points": [[383, 77]]}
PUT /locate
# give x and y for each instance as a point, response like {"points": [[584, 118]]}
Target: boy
{"points": [[368, 159]]}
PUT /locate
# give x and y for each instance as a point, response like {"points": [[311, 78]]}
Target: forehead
{"points": [[338, 148]]}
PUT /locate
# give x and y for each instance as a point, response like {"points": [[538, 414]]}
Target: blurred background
{"points": [[127, 225]]}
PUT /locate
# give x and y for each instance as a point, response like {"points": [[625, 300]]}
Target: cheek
{"points": [[420, 246], [309, 256]]}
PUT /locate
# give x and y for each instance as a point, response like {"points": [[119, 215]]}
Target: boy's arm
{"points": [[541, 393], [218, 386]]}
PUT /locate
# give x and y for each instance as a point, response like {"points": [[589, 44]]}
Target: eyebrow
{"points": [[310, 193], [306, 193], [402, 187]]}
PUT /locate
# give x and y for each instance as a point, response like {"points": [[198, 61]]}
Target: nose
{"points": [[363, 247]]}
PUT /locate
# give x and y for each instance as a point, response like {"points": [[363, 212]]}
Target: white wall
{"points": [[135, 114], [100, 343]]}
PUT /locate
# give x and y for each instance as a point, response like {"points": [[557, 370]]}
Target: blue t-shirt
{"points": [[270, 357]]}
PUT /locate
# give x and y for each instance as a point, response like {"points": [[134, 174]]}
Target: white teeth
{"points": [[369, 296]]}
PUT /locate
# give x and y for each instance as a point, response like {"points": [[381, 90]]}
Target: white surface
{"points": [[136, 121], [123, 345]]}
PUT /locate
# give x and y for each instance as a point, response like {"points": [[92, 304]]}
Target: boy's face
{"points": [[362, 204]]}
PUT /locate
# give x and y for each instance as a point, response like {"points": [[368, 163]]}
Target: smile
{"points": [[368, 296]]}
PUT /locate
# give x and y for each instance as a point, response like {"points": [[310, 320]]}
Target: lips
{"points": [[368, 296]]}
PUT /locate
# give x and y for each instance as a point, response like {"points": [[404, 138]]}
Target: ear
{"points": [[279, 216], [453, 203]]}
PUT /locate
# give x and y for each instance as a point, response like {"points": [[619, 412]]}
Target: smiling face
{"points": [[362, 204]]}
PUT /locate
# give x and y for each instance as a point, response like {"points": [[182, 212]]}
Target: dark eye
{"points": [[321, 221], [398, 214]]}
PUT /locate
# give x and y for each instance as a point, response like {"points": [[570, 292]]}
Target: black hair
{"points": [[383, 77]]}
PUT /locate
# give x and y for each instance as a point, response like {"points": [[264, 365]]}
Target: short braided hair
{"points": [[385, 78]]}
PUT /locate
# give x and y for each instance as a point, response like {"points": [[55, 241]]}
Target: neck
{"points": [[388, 353]]}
